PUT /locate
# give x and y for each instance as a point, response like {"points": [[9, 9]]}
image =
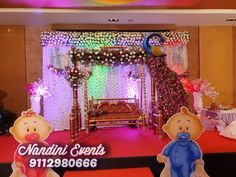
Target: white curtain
{"points": [[104, 83]]}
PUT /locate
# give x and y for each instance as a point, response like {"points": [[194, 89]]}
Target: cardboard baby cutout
{"points": [[182, 156], [28, 129]]}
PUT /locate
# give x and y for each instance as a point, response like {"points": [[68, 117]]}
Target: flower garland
{"points": [[112, 38], [73, 75], [170, 92], [109, 56]]}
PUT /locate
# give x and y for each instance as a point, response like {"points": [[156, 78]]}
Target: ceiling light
{"points": [[113, 19]]}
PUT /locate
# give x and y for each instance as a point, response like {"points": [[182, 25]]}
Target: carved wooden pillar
{"points": [[152, 103], [86, 105], [160, 124], [74, 116], [143, 82]]}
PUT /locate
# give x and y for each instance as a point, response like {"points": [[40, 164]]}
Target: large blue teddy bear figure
{"points": [[182, 156]]}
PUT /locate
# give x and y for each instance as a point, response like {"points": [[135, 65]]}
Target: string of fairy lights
{"points": [[93, 40]]}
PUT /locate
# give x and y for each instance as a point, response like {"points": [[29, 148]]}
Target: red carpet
{"points": [[124, 142], [130, 172]]}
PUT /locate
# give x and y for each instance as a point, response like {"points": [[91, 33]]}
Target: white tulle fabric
{"points": [[104, 83]]}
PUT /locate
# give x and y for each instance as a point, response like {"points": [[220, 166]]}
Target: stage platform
{"points": [[123, 142], [132, 148]]}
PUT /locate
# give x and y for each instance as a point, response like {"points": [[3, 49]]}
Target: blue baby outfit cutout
{"points": [[182, 153]]}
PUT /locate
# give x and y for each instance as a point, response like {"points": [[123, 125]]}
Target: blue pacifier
{"points": [[183, 138]]}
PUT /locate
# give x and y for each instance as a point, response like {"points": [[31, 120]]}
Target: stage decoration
{"points": [[114, 112], [86, 105], [99, 39], [170, 92], [106, 77], [144, 95], [135, 73], [110, 56], [133, 76], [183, 129], [28, 134], [36, 90], [200, 87], [75, 77], [57, 71], [148, 47], [183, 75], [198, 102]]}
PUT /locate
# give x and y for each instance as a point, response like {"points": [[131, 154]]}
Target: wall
{"points": [[234, 64], [193, 56], [34, 53], [216, 60], [12, 68]]}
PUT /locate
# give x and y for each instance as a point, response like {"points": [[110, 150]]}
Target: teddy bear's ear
{"points": [[184, 109]]}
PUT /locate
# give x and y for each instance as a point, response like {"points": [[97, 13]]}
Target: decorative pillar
{"points": [[74, 77], [160, 124], [86, 105], [152, 103], [143, 82], [75, 116]]}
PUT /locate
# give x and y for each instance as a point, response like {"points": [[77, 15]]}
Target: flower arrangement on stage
{"points": [[201, 86], [109, 56], [37, 89], [76, 76]]}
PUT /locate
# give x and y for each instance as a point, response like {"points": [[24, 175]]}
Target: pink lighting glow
{"points": [[100, 3], [45, 3]]}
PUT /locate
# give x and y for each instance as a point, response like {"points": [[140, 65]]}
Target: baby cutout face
{"points": [[183, 122], [30, 128]]}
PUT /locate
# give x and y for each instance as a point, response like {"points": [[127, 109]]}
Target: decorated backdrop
{"points": [[106, 81]]}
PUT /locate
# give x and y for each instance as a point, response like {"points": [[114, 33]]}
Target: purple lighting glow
{"points": [[45, 3]]}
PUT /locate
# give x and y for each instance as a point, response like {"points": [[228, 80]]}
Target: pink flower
{"points": [[202, 86], [37, 89]]}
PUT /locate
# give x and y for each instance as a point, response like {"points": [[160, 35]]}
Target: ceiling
{"points": [[178, 12]]}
